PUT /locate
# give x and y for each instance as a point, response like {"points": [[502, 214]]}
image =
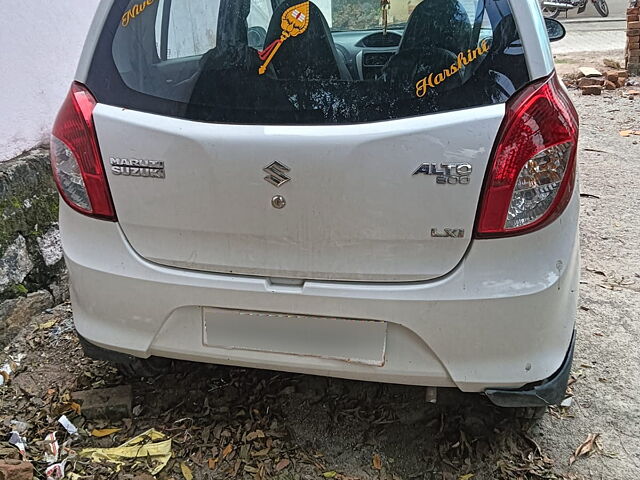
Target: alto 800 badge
{"points": [[447, 173]]}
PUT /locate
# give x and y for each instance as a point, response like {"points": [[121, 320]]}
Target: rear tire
{"points": [[530, 413], [550, 12], [144, 367], [602, 7]]}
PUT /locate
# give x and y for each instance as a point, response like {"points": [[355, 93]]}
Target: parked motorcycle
{"points": [[553, 8]]}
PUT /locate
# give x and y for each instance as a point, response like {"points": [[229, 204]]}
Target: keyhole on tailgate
{"points": [[278, 201]]}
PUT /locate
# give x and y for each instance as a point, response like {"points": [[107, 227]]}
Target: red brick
{"points": [[588, 82], [15, 470], [608, 85], [634, 40], [633, 11], [633, 18], [611, 76], [633, 25], [591, 90], [633, 32]]}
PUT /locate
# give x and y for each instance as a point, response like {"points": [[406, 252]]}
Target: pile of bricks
{"points": [[632, 55], [607, 81]]}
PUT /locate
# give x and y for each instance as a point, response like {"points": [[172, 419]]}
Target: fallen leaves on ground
{"points": [[104, 432], [589, 447], [186, 471]]}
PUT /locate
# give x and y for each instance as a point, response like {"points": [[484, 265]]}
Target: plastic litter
{"points": [[19, 426], [9, 368], [149, 449], [17, 441], [51, 448], [68, 426], [56, 471]]}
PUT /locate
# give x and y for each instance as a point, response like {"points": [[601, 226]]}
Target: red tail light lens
{"points": [[75, 157], [531, 179]]}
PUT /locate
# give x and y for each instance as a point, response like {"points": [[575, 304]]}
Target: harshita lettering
{"points": [[433, 81]]}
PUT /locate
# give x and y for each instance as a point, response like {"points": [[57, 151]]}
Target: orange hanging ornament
{"points": [[295, 21]]}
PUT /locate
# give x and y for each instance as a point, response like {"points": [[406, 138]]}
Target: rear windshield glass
{"points": [[306, 62]]}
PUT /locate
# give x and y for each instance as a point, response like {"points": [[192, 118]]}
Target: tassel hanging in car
{"points": [[385, 5]]}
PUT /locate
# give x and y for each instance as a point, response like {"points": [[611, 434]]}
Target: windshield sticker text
{"points": [[295, 21], [134, 11], [433, 81]]}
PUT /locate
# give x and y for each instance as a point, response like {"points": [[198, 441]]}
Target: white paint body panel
{"points": [[354, 211], [535, 40], [503, 318]]}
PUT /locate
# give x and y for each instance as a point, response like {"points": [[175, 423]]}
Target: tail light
{"points": [[532, 176], [75, 157]]}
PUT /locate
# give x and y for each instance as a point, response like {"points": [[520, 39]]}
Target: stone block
{"points": [[589, 72], [106, 403], [609, 85], [611, 76], [591, 90], [587, 82], [16, 312], [15, 470]]}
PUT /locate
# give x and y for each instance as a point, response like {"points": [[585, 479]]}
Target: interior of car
{"points": [[266, 61]]}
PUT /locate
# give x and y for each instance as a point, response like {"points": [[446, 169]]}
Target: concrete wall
{"points": [[40, 43]]}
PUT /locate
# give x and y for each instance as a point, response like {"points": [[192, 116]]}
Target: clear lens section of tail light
{"points": [[537, 185], [69, 176]]}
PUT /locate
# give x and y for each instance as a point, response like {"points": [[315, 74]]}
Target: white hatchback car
{"points": [[327, 188]]}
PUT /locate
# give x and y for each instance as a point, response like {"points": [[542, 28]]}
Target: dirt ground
{"points": [[230, 422]]}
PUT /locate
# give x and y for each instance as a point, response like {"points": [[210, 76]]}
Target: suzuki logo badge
{"points": [[277, 174]]}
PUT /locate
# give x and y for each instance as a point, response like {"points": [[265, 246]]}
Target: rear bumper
{"points": [[502, 319], [550, 391]]}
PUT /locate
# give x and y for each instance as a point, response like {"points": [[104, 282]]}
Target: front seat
{"points": [[226, 87], [311, 55], [437, 31]]}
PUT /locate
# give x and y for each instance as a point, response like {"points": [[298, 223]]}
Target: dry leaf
{"points": [[377, 462], [103, 432], [588, 447], [212, 463], [282, 464], [261, 453], [227, 450], [330, 474], [253, 435], [186, 472], [45, 325], [628, 133], [467, 476]]}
